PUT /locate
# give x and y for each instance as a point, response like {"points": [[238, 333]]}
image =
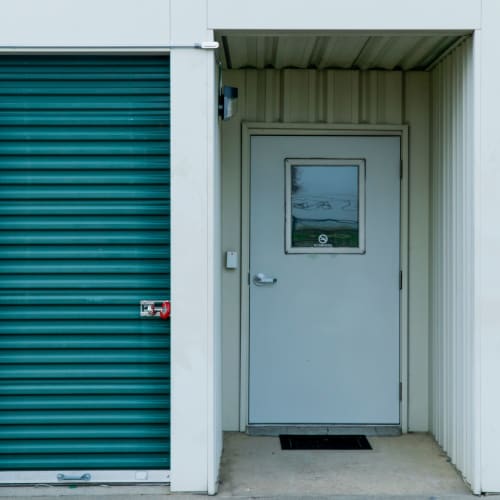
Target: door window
{"points": [[325, 206]]}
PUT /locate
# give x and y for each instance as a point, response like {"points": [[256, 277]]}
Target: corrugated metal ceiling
{"points": [[324, 51]]}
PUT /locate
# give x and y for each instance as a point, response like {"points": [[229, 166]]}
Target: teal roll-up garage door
{"points": [[84, 236]]}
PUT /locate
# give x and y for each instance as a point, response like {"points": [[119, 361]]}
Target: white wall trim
{"points": [[84, 50], [476, 478], [340, 15], [250, 129], [111, 51], [193, 249], [96, 477], [121, 50], [213, 291]]}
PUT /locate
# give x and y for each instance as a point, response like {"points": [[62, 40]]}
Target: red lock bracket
{"points": [[165, 310]]}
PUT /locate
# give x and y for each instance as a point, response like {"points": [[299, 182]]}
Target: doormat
{"points": [[314, 442]]}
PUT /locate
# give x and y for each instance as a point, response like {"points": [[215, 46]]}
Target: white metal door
{"points": [[324, 280]]}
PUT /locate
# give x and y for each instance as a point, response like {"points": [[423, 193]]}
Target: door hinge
{"points": [[400, 169], [400, 280], [401, 391]]}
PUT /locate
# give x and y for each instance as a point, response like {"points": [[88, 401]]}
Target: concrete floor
{"points": [[410, 467]]}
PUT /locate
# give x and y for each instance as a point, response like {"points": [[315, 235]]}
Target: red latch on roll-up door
{"points": [[155, 309], [165, 310]]}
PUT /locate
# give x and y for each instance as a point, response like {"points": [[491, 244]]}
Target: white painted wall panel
{"points": [[86, 23], [487, 177], [196, 432], [214, 375], [342, 15], [60, 24], [452, 285], [191, 290], [335, 97]]}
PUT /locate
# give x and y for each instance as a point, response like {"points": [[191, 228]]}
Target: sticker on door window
{"points": [[325, 201]]}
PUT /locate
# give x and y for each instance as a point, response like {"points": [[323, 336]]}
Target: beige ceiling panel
{"points": [[306, 51]]}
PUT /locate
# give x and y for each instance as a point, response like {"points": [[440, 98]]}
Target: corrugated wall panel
{"points": [[84, 236], [329, 96], [452, 260]]}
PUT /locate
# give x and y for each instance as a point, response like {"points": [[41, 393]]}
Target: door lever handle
{"points": [[260, 279]]}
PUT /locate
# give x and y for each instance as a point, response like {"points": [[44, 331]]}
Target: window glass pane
{"points": [[324, 206]]}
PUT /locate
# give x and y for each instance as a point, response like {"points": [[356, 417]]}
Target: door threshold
{"points": [[323, 429], [85, 477]]}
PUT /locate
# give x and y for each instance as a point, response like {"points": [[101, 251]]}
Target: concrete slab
{"points": [[408, 465], [77, 492]]}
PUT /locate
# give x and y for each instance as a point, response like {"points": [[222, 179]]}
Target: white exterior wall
{"points": [[196, 432], [86, 23], [334, 97], [152, 24], [342, 15], [487, 240], [454, 381], [54, 26]]}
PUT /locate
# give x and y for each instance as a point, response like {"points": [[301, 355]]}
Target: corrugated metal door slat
{"points": [[84, 236]]}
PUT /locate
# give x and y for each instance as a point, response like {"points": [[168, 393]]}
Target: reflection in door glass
{"points": [[324, 206]]}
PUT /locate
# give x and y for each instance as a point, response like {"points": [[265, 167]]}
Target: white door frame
{"points": [[250, 129]]}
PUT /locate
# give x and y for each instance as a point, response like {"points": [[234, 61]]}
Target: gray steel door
{"points": [[324, 288]]}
